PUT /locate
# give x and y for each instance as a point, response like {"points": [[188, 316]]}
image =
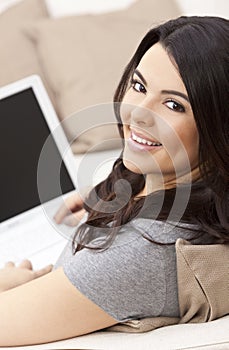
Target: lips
{"points": [[143, 140], [138, 142]]}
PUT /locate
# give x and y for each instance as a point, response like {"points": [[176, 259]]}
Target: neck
{"points": [[154, 184]]}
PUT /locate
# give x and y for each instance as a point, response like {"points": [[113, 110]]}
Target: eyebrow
{"points": [[139, 74], [178, 93], [173, 92]]}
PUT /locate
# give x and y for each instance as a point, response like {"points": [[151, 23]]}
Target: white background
{"points": [[205, 7]]}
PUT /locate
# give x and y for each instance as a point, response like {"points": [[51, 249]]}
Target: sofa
{"points": [[205, 336], [80, 58], [74, 48]]}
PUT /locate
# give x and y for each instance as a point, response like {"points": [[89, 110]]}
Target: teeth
{"points": [[144, 142]]}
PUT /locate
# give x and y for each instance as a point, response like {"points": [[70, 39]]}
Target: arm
{"points": [[47, 309]]}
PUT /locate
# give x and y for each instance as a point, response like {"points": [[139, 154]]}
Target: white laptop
{"points": [[37, 173]]}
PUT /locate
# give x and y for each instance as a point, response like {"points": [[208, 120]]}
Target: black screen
{"points": [[23, 132]]}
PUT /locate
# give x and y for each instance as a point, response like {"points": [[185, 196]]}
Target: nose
{"points": [[143, 116]]}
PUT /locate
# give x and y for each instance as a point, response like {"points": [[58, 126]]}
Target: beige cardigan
{"points": [[203, 287]]}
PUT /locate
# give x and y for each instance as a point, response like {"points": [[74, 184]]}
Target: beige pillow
{"points": [[18, 57], [83, 57], [203, 281]]}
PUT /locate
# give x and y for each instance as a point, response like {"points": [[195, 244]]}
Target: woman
{"points": [[171, 107]]}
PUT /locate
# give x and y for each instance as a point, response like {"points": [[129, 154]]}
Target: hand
{"points": [[12, 276], [71, 212]]}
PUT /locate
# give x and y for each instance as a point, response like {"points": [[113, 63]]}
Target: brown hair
{"points": [[199, 46]]}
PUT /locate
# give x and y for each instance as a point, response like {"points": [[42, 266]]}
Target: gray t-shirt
{"points": [[134, 278]]}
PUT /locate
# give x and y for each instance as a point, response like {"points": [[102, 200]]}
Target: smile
{"points": [[137, 143], [144, 141]]}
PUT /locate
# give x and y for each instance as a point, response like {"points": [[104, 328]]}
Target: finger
{"points": [[62, 212], [70, 220], [26, 264], [80, 214], [71, 204], [74, 219], [43, 271], [9, 264]]}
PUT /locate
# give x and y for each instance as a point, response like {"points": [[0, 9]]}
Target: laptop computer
{"points": [[37, 173]]}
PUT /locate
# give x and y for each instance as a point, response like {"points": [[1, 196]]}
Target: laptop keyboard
{"points": [[38, 241]]}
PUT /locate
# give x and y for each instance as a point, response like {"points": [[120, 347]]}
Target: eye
{"points": [[137, 86], [175, 106]]}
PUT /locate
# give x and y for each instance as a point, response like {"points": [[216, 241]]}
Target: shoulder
{"points": [[164, 231], [131, 241]]}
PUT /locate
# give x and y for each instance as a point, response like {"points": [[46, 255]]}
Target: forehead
{"points": [[159, 69]]}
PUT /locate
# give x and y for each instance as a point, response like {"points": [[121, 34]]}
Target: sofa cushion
{"points": [[202, 336], [18, 57], [203, 281], [83, 57]]}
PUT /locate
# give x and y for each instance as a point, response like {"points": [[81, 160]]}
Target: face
{"points": [[160, 133]]}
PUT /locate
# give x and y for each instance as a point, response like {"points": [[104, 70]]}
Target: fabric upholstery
{"points": [[83, 58], [203, 278], [18, 57]]}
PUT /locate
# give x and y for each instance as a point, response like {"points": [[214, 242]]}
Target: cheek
{"points": [[125, 111], [189, 138], [189, 135], [179, 137]]}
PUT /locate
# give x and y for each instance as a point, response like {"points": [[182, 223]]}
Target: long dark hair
{"points": [[200, 48]]}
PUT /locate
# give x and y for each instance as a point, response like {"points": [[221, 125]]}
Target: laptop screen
{"points": [[23, 132]]}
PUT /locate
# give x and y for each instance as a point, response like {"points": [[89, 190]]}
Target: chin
{"points": [[132, 167]]}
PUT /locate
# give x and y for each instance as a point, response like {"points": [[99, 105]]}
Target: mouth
{"points": [[142, 143]]}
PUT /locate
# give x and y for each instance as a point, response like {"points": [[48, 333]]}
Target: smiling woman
{"points": [[170, 182], [156, 114]]}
